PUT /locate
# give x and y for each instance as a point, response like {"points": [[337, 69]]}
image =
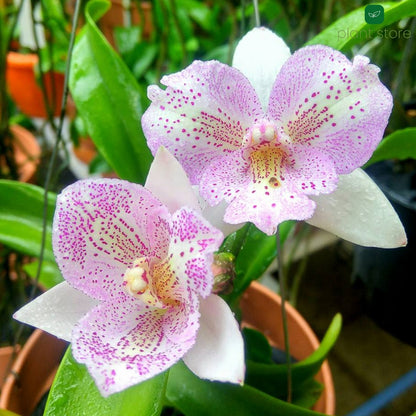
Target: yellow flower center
{"points": [[137, 282]]}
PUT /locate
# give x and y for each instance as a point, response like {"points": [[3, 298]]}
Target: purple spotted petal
{"points": [[100, 227], [263, 210], [193, 243], [125, 344], [225, 177], [322, 100], [204, 112]]}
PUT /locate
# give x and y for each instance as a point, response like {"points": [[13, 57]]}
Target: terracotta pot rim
{"points": [[22, 60]]}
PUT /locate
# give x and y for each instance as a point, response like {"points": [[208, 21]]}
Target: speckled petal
{"points": [[125, 345], [203, 113], [267, 211], [325, 101], [193, 243], [100, 227], [169, 183], [225, 177], [259, 55], [359, 212], [264, 187], [218, 353], [57, 310]]}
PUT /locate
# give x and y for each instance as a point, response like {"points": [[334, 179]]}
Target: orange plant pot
{"points": [[25, 91], [26, 152], [261, 309], [32, 373], [6, 355]]}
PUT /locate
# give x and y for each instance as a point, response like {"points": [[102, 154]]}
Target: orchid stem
{"points": [[256, 12], [282, 281]]}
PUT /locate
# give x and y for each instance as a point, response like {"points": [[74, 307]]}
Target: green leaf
{"points": [[50, 275], [338, 35], [196, 397], [74, 393], [108, 98], [257, 348], [257, 252], [272, 379], [399, 145], [21, 218]]}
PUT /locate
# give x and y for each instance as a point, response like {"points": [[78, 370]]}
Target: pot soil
{"points": [[32, 373], [24, 89], [261, 309]]}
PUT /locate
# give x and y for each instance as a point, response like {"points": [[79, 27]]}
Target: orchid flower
{"points": [[137, 292], [280, 136]]}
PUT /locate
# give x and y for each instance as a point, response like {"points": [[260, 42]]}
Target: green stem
{"points": [[49, 111], [282, 280], [256, 12], [54, 155]]}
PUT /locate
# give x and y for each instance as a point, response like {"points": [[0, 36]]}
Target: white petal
{"points": [[57, 310], [218, 353], [169, 183], [259, 56], [359, 212], [215, 214]]}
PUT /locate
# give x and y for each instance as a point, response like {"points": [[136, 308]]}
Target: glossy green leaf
{"points": [[339, 35], [74, 393], [257, 348], [196, 397], [272, 379], [50, 274], [21, 218], [399, 145], [108, 99], [257, 252]]}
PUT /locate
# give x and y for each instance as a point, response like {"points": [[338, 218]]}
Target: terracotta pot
{"points": [[32, 373], [6, 355], [25, 91], [115, 17], [261, 309], [86, 150], [26, 151]]}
